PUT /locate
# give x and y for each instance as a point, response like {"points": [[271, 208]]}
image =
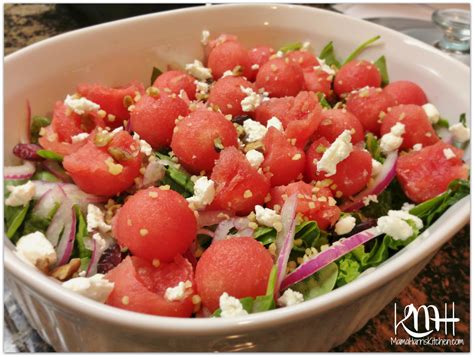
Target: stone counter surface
{"points": [[444, 280]]}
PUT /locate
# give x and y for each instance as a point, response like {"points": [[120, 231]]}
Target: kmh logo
{"points": [[431, 317]]}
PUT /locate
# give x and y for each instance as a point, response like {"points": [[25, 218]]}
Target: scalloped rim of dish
{"points": [[204, 326]]}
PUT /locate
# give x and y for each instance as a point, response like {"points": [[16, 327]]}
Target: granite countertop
{"points": [[445, 279]]}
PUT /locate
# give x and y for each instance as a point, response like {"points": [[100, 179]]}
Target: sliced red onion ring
{"points": [[210, 218], [154, 171], [47, 201], [319, 261], [56, 169], [22, 172], [247, 232], [378, 185], [59, 220], [284, 238], [223, 230], [64, 248], [240, 223]]}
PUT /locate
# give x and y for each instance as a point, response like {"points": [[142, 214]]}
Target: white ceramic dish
{"points": [[119, 51]]}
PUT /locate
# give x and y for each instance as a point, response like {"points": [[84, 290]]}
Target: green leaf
{"points": [[45, 176], [178, 179], [51, 155], [80, 249], [359, 49], [381, 64], [15, 216], [37, 122], [392, 197], [327, 54], [442, 123], [349, 269], [322, 100], [291, 47], [154, 74], [372, 145], [319, 283], [462, 119]]}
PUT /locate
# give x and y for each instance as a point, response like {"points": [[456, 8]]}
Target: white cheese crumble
{"points": [[255, 66], [252, 99], [279, 54], [448, 153], [95, 220], [376, 167], [96, 287], [178, 293], [395, 224], [339, 150], [228, 73], [79, 137], [81, 105], [255, 158], [145, 148], [370, 198], [324, 67], [35, 248], [197, 70], [306, 45], [345, 224], [231, 307], [204, 192], [266, 216], [20, 195], [407, 206], [275, 122], [254, 131], [392, 140], [432, 112], [290, 298], [205, 37], [460, 133], [417, 147]]}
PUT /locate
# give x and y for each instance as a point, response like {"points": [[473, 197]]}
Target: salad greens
{"points": [[155, 73], [176, 177], [80, 250], [327, 54], [319, 283], [381, 64], [360, 48], [37, 122], [51, 155], [291, 47], [372, 145]]}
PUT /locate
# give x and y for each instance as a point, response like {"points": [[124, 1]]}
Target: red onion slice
{"points": [[56, 169], [154, 171], [319, 261], [64, 248], [240, 223], [210, 218], [22, 172], [284, 238], [47, 201], [57, 224], [247, 232], [378, 185], [72, 192], [223, 230]]}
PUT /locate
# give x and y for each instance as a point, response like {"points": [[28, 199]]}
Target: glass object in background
{"points": [[457, 32]]}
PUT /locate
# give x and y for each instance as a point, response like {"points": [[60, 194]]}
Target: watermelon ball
{"points": [[227, 94], [239, 186], [369, 105], [304, 59], [140, 286], [226, 57], [155, 224], [198, 139], [280, 77], [418, 128], [105, 170], [335, 121], [112, 99], [355, 75], [258, 56], [237, 266], [275, 107], [427, 173], [406, 92], [153, 118], [318, 81], [174, 82], [352, 174]]}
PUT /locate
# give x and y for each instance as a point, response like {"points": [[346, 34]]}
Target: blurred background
{"points": [[446, 26]]}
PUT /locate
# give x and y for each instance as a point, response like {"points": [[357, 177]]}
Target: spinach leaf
{"points": [[34, 223], [391, 198], [381, 64], [37, 122], [154, 74], [463, 120], [359, 49], [51, 155], [45, 176], [319, 283], [349, 269], [442, 123], [80, 250], [372, 145], [14, 217], [327, 54], [291, 47], [178, 179], [322, 100]]}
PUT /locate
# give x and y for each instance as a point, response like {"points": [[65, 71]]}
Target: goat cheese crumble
{"points": [[266, 216], [205, 37], [370, 198], [178, 293], [392, 140], [275, 122], [339, 150], [145, 148], [79, 137], [204, 192], [252, 99], [460, 133], [231, 307], [448, 153], [324, 67], [197, 70], [36, 249], [344, 225], [376, 167], [255, 158], [432, 112], [395, 224], [20, 195], [254, 131], [290, 298], [81, 105], [95, 220], [417, 147], [96, 287]]}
